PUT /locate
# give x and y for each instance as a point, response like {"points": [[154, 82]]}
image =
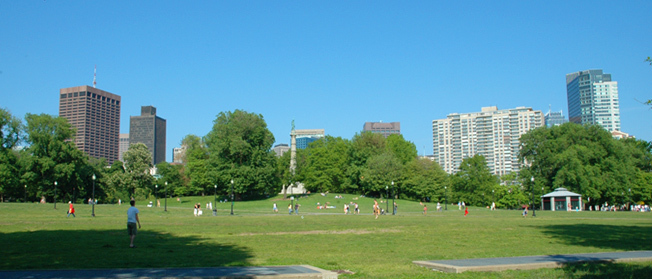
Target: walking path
{"points": [[271, 272], [532, 262]]}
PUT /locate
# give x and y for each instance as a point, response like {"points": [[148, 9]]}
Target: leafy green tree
{"points": [[10, 135], [363, 146], [136, 181], [173, 175], [240, 150], [199, 173], [474, 181], [379, 172], [326, 165], [403, 150], [424, 180], [53, 158], [584, 159]]}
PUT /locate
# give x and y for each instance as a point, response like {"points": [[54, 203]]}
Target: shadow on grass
{"points": [[606, 270], [98, 249], [626, 238]]}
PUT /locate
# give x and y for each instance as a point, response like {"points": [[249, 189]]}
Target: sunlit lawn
{"points": [[35, 236]]}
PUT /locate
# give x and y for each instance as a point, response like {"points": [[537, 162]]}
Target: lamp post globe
{"points": [[156, 194], [231, 196], [166, 196], [93, 201], [25, 193]]}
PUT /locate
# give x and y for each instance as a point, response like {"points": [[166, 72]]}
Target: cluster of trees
{"points": [[235, 157]]}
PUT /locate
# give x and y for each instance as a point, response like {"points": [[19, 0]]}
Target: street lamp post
{"points": [[156, 194], [25, 194], [55, 195], [492, 196], [445, 198], [393, 202], [215, 202], [387, 199], [93, 210], [534, 212], [231, 196], [166, 197], [629, 198]]}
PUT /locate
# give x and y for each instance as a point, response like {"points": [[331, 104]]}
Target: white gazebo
{"points": [[562, 200]]}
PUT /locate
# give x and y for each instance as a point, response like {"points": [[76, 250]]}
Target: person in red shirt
{"points": [[71, 209], [466, 211]]}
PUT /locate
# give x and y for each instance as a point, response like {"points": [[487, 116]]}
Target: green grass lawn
{"points": [[35, 236]]}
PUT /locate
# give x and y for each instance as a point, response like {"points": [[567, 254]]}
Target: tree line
{"points": [[236, 158]]}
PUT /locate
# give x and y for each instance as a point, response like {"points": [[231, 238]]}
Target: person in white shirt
{"points": [[132, 220]]}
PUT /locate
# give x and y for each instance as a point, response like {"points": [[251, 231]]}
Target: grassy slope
{"points": [[36, 236]]}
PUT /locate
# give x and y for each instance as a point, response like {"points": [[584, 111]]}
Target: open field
{"points": [[35, 236]]}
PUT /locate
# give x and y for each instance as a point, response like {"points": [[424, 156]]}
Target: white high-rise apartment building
{"points": [[593, 99], [492, 133]]}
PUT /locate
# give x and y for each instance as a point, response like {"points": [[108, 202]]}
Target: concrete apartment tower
{"points": [[492, 133], [593, 99], [95, 114], [149, 129]]}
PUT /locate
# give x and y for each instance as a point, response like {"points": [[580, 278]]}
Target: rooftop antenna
{"points": [[94, 76]]}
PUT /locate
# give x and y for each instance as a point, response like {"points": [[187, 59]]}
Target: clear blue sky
{"points": [[326, 64]]}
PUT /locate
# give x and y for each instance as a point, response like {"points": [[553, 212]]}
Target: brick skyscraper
{"points": [[95, 114]]}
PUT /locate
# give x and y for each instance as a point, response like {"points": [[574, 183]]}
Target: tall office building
{"points": [[385, 129], [306, 136], [124, 146], [554, 118], [593, 99], [95, 114], [491, 133], [150, 130]]}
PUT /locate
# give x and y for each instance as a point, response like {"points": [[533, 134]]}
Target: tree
{"points": [[53, 158], [424, 180], [173, 175], [10, 134], [136, 181], [474, 181], [584, 159], [379, 172], [403, 150], [326, 166], [240, 150], [199, 174], [363, 146]]}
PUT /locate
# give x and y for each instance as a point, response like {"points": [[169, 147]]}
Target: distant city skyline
{"points": [[333, 65]]}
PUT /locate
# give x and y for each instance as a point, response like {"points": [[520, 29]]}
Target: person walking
{"points": [[395, 208], [71, 209], [275, 209], [132, 220], [466, 211], [376, 209]]}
